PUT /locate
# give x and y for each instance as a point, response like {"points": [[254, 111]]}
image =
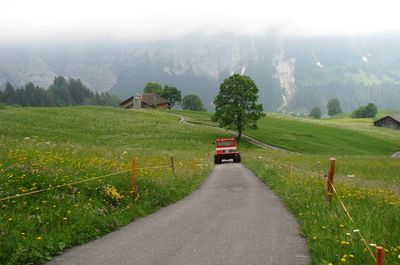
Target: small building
{"points": [[391, 121], [152, 100]]}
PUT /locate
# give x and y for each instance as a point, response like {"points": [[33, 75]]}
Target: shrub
{"points": [[315, 113], [368, 111]]}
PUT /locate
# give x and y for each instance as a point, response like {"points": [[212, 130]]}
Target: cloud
{"points": [[123, 20]]}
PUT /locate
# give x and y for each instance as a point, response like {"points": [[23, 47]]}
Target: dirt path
{"points": [[233, 218], [396, 155]]}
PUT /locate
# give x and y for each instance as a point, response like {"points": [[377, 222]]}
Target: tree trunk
{"points": [[239, 134]]}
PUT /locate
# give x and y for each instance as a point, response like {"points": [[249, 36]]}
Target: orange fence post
{"points": [[379, 255], [133, 175], [329, 183]]}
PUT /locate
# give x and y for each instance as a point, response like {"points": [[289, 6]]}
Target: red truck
{"points": [[226, 148]]}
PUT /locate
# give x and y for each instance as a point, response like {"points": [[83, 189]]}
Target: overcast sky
{"points": [[124, 20]]}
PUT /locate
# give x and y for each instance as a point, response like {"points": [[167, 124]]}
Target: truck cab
{"points": [[226, 148]]}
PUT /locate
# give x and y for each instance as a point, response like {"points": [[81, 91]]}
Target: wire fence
{"points": [[290, 168], [192, 167]]}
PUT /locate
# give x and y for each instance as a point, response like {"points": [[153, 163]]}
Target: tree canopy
{"points": [[61, 93], [173, 94], [235, 105], [192, 102], [368, 111], [333, 107], [152, 88], [316, 113]]}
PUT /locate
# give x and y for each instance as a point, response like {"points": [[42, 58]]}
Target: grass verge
{"points": [[330, 235]]}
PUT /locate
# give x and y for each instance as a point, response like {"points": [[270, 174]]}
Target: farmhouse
{"points": [[390, 121], [152, 100]]}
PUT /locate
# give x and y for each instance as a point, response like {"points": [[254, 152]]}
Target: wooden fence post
{"points": [[172, 166], [133, 175], [329, 182], [379, 255]]}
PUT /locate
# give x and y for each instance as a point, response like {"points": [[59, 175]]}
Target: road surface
{"points": [[233, 218]]}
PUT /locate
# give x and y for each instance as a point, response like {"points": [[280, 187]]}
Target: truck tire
{"points": [[217, 160], [236, 159]]}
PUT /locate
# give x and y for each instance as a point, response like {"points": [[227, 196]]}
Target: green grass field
{"points": [[196, 117], [367, 180], [42, 148], [333, 136], [323, 137], [331, 236]]}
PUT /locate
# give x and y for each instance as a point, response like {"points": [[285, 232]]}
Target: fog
{"points": [[44, 21]]}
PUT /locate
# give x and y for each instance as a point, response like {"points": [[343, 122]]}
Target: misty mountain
{"points": [[293, 74]]}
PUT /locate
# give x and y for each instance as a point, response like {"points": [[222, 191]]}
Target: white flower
{"points": [[48, 142], [124, 152], [356, 230], [27, 139], [372, 244]]}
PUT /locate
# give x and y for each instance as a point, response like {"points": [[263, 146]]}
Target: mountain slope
{"points": [[292, 74]]}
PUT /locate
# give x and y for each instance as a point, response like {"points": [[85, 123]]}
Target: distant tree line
{"points": [[174, 95], [61, 93], [333, 106]]}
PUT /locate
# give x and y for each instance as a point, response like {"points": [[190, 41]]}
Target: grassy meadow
{"points": [[331, 237], [42, 148], [324, 137], [367, 179]]}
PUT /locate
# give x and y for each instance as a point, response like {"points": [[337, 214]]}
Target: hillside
{"points": [[336, 136], [47, 148], [43, 148], [366, 182], [293, 74]]}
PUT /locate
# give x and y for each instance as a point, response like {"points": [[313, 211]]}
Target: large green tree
{"points": [[192, 102], [333, 107], [236, 104], [173, 94]]}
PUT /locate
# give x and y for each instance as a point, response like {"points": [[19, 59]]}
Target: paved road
{"points": [[233, 218]]}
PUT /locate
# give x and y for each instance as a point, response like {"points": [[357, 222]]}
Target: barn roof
{"points": [[395, 117], [126, 100], [153, 98], [149, 99]]}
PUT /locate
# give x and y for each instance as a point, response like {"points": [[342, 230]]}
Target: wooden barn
{"points": [[390, 121], [152, 100]]}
